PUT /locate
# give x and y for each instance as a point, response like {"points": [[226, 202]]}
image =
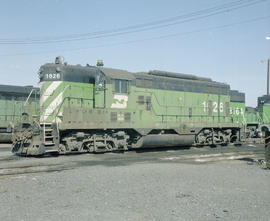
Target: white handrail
{"points": [[28, 97]]}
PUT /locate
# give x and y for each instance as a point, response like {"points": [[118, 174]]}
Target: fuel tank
{"points": [[165, 140]]}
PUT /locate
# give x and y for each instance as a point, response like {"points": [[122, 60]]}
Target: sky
{"points": [[223, 40]]}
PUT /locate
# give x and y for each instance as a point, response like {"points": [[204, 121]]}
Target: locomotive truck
{"points": [[16, 104], [93, 109]]}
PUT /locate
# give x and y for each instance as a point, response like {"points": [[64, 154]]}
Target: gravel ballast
{"points": [[223, 190]]}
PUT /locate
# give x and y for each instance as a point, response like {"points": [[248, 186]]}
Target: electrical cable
{"points": [[148, 39], [143, 27]]}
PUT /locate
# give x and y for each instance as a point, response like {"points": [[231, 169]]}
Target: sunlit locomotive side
{"points": [[92, 109]]}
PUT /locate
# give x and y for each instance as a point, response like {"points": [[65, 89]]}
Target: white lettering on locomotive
{"points": [[214, 108], [52, 76]]}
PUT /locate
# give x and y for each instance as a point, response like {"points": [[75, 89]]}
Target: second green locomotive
{"points": [[17, 104]]}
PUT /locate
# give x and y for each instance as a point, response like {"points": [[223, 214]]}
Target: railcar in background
{"points": [[263, 109], [17, 104], [255, 120]]}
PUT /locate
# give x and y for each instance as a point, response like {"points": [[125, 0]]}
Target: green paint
{"points": [[237, 111], [82, 107], [11, 110], [67, 94], [264, 111]]}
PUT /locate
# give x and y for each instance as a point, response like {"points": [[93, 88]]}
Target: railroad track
{"points": [[11, 165]]}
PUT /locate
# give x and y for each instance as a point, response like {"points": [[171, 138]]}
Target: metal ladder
{"points": [[47, 134]]}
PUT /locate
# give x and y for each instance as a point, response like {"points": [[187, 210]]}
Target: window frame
{"points": [[120, 87]]}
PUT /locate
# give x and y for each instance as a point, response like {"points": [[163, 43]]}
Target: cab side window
{"points": [[120, 86]]}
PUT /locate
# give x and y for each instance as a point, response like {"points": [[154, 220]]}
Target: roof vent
{"points": [[100, 63]]}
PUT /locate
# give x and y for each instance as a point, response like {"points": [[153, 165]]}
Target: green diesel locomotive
{"points": [[93, 109], [257, 120], [17, 104], [263, 109]]}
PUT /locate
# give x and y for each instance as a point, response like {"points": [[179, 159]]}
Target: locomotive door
{"points": [[99, 91]]}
